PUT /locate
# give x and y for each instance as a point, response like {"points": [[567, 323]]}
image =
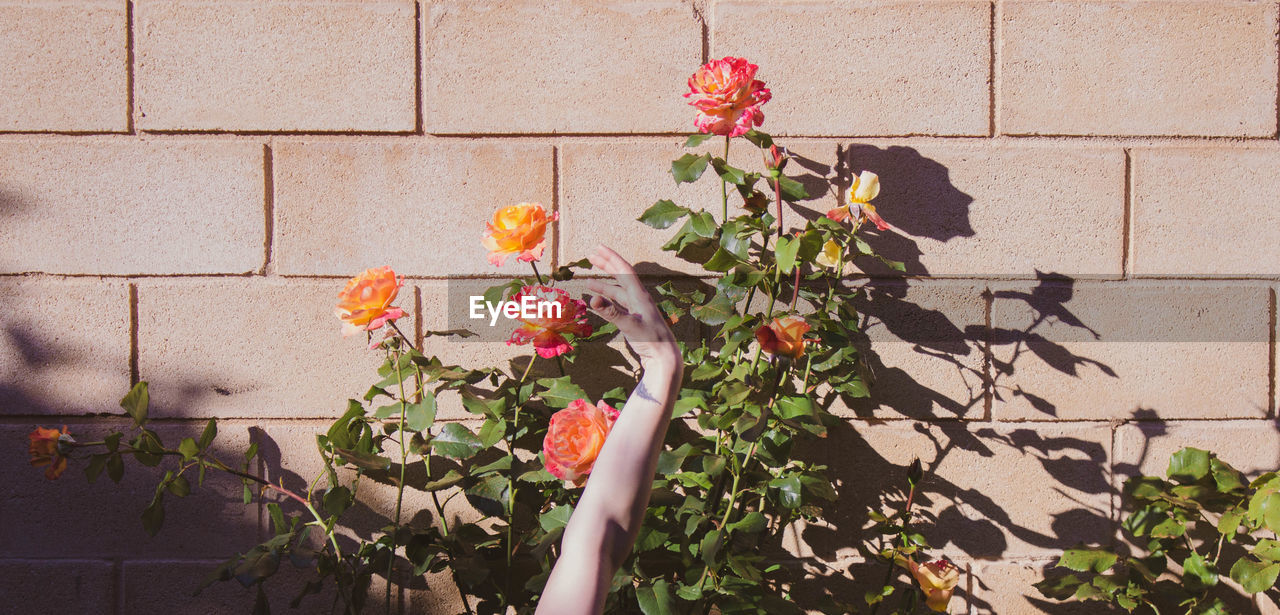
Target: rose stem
{"points": [[402, 335], [535, 272], [404, 456], [511, 482], [724, 185]]}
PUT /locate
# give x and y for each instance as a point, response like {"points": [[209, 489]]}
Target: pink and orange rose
{"points": [[560, 314], [574, 438], [49, 447], [365, 303], [783, 337], [520, 229], [728, 97]]}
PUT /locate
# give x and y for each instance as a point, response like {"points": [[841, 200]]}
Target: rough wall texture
{"points": [[1085, 193]]}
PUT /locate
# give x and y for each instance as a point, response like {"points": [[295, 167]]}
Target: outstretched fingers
{"points": [[610, 262]]}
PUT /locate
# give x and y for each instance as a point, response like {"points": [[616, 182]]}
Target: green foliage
{"points": [[1200, 523], [734, 474]]}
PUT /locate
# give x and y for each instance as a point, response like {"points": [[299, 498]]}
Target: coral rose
{"points": [[519, 229], [365, 303], [728, 97], [574, 438], [558, 314], [49, 447], [938, 580], [783, 337], [865, 187]]}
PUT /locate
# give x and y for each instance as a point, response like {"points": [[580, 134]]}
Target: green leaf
{"points": [[721, 260], [337, 500], [1226, 477], [1199, 573], [96, 464], [368, 461], [1084, 559], [716, 311], [710, 547], [695, 140], [456, 441], [785, 251], [492, 431], [792, 190], [560, 392], [555, 518], [750, 523], [1188, 465], [663, 214], [1229, 523], [728, 173], [702, 224], [450, 478], [689, 167], [419, 416], [1264, 509], [1267, 549], [489, 495], [793, 407], [1169, 528], [1254, 576], [762, 140], [180, 487], [153, 516], [189, 449], [788, 490], [656, 599], [210, 432], [136, 402], [115, 468]]}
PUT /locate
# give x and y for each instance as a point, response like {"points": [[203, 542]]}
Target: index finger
{"points": [[610, 262]]}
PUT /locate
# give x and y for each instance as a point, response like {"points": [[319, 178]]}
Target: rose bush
{"points": [[775, 342]]}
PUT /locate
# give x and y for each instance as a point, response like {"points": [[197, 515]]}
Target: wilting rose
{"points": [[783, 337], [49, 447], [574, 438], [830, 255], [559, 314], [365, 303], [519, 229], [865, 187], [937, 579], [728, 97]]}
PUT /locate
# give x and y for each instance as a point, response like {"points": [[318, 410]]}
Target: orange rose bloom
{"points": [[562, 314], [365, 303], [938, 580], [784, 336], [728, 97], [47, 449], [518, 229], [574, 438]]}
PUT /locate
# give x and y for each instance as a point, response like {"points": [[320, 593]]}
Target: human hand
{"points": [[627, 305]]}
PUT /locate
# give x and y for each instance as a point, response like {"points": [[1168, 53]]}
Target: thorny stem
{"points": [[535, 272], [404, 455], [511, 482], [795, 288], [724, 185], [906, 519], [402, 335]]}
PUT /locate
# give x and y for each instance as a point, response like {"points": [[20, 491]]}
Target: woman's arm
{"points": [[608, 517]]}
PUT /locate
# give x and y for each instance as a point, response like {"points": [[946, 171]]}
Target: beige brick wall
{"points": [[1085, 194]]}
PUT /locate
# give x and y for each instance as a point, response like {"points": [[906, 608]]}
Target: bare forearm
{"points": [[627, 461]]}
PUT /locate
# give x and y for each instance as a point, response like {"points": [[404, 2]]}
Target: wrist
{"points": [[666, 366]]}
